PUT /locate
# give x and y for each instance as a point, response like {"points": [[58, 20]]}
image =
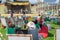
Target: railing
{"points": [[7, 15]]}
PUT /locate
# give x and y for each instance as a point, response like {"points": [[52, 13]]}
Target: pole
{"points": [[57, 8], [52, 8], [42, 7], [39, 6]]}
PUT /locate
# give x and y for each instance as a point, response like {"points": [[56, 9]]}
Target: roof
{"points": [[19, 3]]}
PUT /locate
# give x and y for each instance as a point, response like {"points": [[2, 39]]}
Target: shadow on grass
{"points": [[50, 35], [53, 28]]}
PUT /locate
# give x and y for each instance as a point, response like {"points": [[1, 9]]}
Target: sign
{"points": [[3, 22], [57, 34], [19, 37]]}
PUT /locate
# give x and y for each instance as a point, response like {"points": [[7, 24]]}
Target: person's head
{"points": [[38, 14], [9, 25]]}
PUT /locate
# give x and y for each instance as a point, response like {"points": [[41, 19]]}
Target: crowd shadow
{"points": [[50, 35]]}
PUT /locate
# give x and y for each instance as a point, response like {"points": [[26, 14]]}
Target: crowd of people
{"points": [[25, 25], [18, 10]]}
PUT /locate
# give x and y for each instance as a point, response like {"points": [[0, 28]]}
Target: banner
{"points": [[19, 37], [3, 21]]}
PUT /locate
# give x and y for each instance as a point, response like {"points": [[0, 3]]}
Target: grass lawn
{"points": [[52, 32], [50, 35], [3, 31]]}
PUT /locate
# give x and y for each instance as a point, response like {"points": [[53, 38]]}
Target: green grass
{"points": [[52, 32], [2, 9], [3, 31]]}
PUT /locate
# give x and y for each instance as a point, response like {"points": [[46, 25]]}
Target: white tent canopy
{"points": [[50, 1]]}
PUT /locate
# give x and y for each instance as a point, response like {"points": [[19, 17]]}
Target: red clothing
{"points": [[41, 21], [44, 31]]}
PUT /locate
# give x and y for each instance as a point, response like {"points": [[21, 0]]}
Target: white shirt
{"points": [[31, 25], [38, 16]]}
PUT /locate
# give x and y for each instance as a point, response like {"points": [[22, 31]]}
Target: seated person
{"points": [[22, 30], [11, 28]]}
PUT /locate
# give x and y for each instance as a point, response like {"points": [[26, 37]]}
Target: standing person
{"points": [[11, 13], [39, 19], [24, 15], [26, 11], [26, 20], [32, 30], [37, 24], [40, 22], [21, 10]]}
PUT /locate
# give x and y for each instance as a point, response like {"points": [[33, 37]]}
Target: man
{"points": [[39, 19], [11, 13], [32, 30], [24, 15]]}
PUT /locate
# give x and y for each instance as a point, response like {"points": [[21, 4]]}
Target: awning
{"points": [[19, 3]]}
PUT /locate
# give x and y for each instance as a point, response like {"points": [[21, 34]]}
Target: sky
{"points": [[50, 1], [31, 1], [35, 1]]}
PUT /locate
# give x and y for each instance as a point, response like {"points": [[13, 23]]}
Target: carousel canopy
{"points": [[19, 3]]}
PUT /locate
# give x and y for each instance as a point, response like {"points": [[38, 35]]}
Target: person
{"points": [[11, 14], [26, 20], [11, 28], [26, 11], [39, 19], [36, 24], [22, 30], [21, 23], [49, 26], [21, 10], [24, 15], [40, 22], [29, 18], [32, 30]]}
